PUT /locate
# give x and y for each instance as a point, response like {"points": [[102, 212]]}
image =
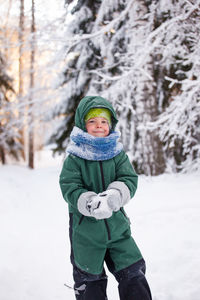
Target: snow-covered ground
{"points": [[34, 244]]}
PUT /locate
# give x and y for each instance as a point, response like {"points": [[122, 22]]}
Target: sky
{"points": [[45, 9]]}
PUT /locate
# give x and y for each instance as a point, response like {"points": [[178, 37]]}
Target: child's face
{"points": [[98, 127]]}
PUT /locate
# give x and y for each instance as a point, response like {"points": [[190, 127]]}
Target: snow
{"points": [[34, 243]]}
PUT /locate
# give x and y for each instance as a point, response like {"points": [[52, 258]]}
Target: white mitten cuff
{"points": [[123, 189], [83, 201]]}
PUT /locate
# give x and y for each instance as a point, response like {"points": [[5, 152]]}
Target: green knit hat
{"points": [[99, 112]]}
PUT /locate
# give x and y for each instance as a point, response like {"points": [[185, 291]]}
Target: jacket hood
{"points": [[89, 102]]}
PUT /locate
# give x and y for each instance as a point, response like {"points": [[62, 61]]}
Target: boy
{"points": [[97, 180]]}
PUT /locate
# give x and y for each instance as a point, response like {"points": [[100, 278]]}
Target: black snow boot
{"points": [[91, 290], [135, 288], [132, 282]]}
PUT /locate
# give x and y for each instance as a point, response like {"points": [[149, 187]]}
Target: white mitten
{"points": [[93, 203], [113, 198], [99, 207]]}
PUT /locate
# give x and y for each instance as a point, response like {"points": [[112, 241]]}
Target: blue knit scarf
{"points": [[90, 147]]}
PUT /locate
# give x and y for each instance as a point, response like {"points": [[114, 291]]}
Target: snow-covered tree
{"points": [[9, 137], [93, 26], [179, 124], [21, 68], [136, 91], [32, 85], [80, 58], [34, 92], [142, 56], [110, 42]]}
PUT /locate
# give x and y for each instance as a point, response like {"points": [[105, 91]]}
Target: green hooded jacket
{"points": [[91, 238]]}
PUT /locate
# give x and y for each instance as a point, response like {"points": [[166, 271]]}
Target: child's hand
{"points": [[113, 198], [99, 208]]}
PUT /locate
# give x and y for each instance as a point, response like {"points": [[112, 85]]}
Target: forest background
{"points": [[143, 56]]}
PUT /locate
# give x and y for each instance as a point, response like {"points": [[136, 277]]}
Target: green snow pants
{"points": [[112, 244], [91, 239]]}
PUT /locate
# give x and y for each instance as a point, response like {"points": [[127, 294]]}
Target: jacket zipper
{"points": [[81, 219], [104, 187]]}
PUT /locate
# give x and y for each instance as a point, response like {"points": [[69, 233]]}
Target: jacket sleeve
{"points": [[126, 179], [71, 183]]}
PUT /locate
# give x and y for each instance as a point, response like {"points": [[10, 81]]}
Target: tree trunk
{"points": [[21, 75], [2, 155], [31, 112]]}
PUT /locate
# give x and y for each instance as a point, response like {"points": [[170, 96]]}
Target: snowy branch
{"points": [[169, 23], [106, 28]]}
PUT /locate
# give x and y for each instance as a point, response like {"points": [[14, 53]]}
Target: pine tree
{"points": [[104, 63], [81, 58], [141, 56], [131, 88], [179, 124], [9, 138]]}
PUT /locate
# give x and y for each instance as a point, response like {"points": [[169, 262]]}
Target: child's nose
{"points": [[98, 124]]}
